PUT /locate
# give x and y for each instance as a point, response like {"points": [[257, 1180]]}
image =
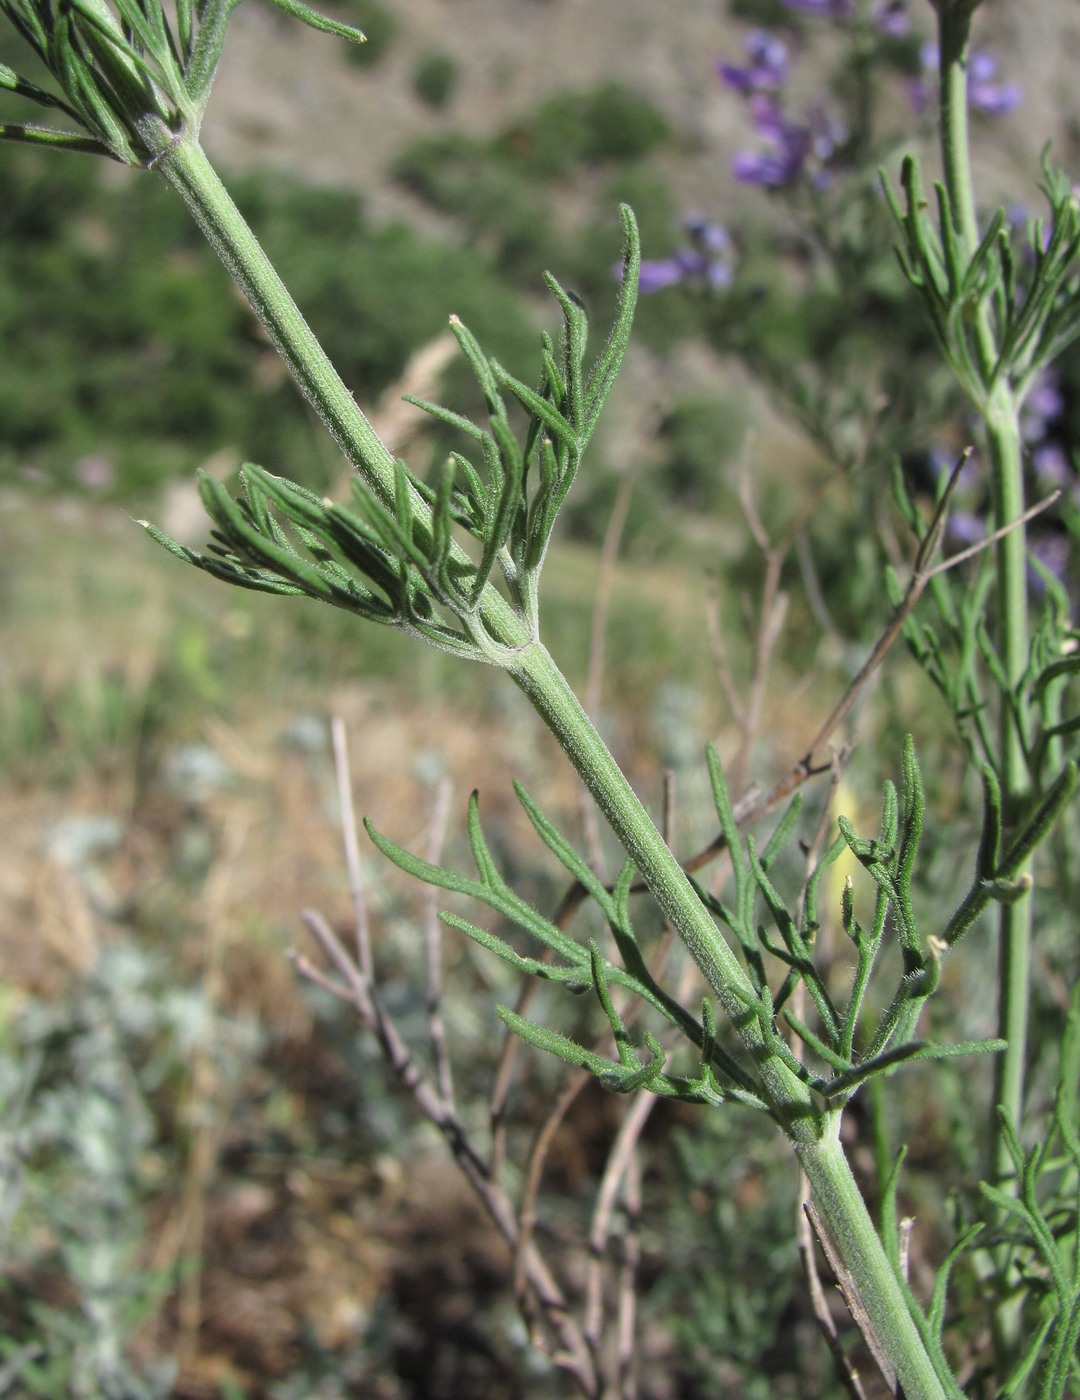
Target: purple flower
{"points": [[823, 9], [965, 528], [767, 68], [1052, 465], [789, 147], [707, 258], [890, 16], [892, 19], [1043, 408], [1044, 402], [1052, 549], [656, 274]]}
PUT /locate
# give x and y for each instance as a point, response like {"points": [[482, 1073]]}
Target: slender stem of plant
{"points": [[880, 1301], [185, 165], [839, 1199], [186, 168], [1001, 415], [1014, 920], [554, 700], [954, 26]]}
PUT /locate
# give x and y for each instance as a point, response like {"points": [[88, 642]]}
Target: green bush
{"points": [[496, 188], [435, 79], [699, 438], [163, 365], [610, 123], [494, 199]]}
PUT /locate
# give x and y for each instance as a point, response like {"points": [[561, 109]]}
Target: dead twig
{"points": [[804, 1234], [351, 844], [922, 571], [352, 979], [623, 1151], [570, 1351], [854, 1304]]}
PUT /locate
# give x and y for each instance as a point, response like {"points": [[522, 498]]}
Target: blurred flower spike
{"points": [[1043, 427], [767, 68], [791, 149], [823, 9], [707, 259], [891, 17], [985, 93]]}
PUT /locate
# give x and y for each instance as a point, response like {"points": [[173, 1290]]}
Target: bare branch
{"points": [[626, 1353], [853, 1303], [980, 545], [570, 1351], [351, 843], [804, 1233], [618, 1165], [572, 1086]]}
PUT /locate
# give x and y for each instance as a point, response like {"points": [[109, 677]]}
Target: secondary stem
{"points": [[1014, 920], [554, 700], [842, 1208], [1001, 414]]}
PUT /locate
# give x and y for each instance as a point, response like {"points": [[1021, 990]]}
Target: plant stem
{"points": [[553, 699], [1014, 920], [815, 1136], [1001, 415], [843, 1210], [185, 166], [187, 169]]}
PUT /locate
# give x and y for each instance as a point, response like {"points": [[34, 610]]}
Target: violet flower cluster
{"points": [[889, 16], [707, 258], [1041, 423], [791, 149], [788, 148]]}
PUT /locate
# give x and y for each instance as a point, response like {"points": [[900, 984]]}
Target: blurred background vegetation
{"points": [[199, 1198]]}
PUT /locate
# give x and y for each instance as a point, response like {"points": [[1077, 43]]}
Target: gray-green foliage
{"points": [[80, 1155]]}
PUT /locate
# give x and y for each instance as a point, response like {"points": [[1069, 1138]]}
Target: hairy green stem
{"points": [[185, 165], [1001, 415], [186, 168], [1015, 919], [554, 700], [815, 1135], [843, 1211]]}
